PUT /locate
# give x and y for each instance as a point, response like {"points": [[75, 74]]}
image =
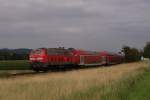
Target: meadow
{"points": [[118, 82], [14, 65]]}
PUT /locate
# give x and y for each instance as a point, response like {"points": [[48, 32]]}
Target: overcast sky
{"points": [[84, 24]]}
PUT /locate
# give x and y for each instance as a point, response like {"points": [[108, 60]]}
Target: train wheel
{"points": [[35, 67], [36, 70]]}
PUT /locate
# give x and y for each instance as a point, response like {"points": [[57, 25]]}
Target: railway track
{"points": [[11, 73], [15, 73]]}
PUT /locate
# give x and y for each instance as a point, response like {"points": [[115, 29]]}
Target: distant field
{"points": [[118, 82], [14, 65]]}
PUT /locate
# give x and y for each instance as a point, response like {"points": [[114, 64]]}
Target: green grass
{"points": [[14, 65], [120, 90], [141, 90], [129, 88]]}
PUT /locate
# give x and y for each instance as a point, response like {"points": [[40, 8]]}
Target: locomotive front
{"points": [[38, 59]]}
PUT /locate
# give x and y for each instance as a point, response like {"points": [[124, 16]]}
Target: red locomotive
{"points": [[42, 59]]}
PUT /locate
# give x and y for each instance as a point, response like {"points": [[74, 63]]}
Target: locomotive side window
{"points": [[55, 51], [51, 52]]}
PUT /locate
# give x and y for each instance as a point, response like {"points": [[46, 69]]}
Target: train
{"points": [[45, 58]]}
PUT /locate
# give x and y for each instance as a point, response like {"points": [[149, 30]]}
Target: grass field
{"points": [[141, 90], [119, 82], [14, 65], [131, 88]]}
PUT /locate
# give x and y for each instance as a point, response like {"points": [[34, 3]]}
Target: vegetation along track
{"points": [[65, 85]]}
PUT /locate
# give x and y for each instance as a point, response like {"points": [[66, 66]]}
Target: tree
{"points": [[131, 54], [146, 53], [126, 50]]}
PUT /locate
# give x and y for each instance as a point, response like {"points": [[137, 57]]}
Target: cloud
{"points": [[87, 24]]}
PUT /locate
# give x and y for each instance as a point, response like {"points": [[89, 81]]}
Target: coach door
{"points": [[82, 60]]}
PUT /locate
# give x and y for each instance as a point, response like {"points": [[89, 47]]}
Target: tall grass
{"points": [[85, 84], [116, 90], [131, 87]]}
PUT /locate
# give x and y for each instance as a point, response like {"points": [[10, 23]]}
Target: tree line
{"points": [[14, 54], [133, 54]]}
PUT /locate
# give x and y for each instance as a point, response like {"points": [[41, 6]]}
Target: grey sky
{"points": [[86, 24]]}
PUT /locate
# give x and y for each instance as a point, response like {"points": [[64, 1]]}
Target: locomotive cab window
{"points": [[38, 51]]}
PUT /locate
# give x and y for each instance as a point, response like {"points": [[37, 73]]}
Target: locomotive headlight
{"points": [[39, 58], [32, 58]]}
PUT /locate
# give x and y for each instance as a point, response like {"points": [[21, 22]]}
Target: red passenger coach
{"points": [[112, 58], [44, 58], [87, 58]]}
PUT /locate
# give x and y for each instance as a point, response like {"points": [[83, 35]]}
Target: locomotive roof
{"points": [[79, 51], [56, 48]]}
